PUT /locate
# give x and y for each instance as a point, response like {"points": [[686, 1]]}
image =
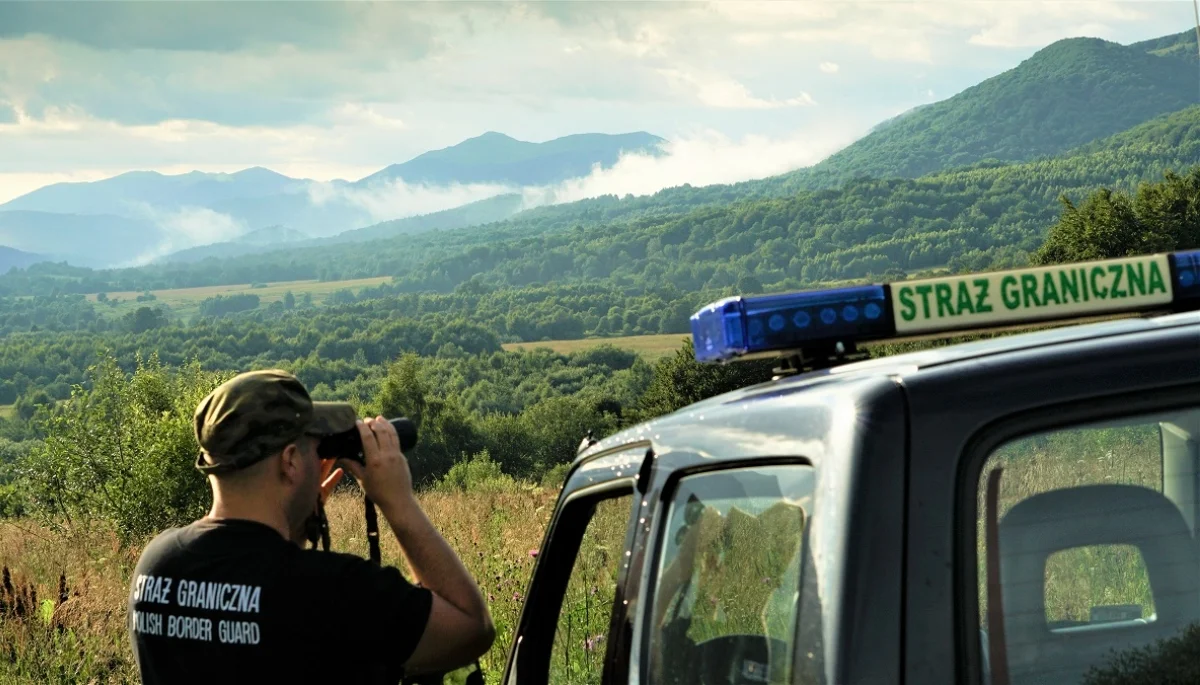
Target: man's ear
{"points": [[289, 463]]}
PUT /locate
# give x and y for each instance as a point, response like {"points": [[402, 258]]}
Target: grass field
{"points": [[83, 640], [186, 301], [652, 347]]}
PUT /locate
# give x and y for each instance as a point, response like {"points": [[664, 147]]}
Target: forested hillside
{"points": [[1067, 94]]}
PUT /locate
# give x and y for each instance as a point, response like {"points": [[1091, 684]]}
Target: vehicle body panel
{"points": [[886, 437]]}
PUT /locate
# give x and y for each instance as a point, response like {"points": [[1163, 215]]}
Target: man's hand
{"points": [[385, 476], [329, 480]]}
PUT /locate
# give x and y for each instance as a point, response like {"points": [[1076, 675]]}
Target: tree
{"points": [[123, 450], [1162, 217], [289, 300], [680, 380], [145, 319], [402, 392]]}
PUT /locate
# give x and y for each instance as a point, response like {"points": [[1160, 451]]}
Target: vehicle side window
{"points": [[727, 580], [583, 621], [1087, 552]]}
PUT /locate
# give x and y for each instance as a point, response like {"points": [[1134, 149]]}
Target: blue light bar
{"points": [[1185, 267], [740, 326], [813, 321]]}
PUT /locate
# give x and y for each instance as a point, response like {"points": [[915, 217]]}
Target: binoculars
{"points": [[348, 444]]}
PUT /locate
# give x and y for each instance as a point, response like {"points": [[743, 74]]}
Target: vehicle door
{"points": [[575, 596], [1052, 511]]}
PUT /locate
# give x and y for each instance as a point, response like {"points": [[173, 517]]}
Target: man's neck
{"points": [[260, 511]]}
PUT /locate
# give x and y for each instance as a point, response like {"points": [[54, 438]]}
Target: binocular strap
{"points": [[318, 529], [372, 530]]}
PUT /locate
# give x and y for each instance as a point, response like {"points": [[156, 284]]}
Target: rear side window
{"points": [[1087, 554], [727, 577]]}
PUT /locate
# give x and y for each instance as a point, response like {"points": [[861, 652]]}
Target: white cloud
{"points": [[1012, 34], [68, 141], [354, 114], [829, 67], [186, 227], [773, 12], [703, 158], [396, 199], [720, 91]]}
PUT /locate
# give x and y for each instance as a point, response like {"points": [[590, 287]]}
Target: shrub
{"points": [[477, 474], [123, 451], [556, 476], [12, 501]]}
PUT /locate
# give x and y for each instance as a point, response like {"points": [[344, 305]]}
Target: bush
{"points": [[12, 501], [477, 474], [556, 476], [122, 451]]}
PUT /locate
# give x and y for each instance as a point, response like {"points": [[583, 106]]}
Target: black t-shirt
{"points": [[232, 601]]}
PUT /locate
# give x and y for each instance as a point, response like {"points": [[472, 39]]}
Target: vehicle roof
{"points": [[901, 365]]}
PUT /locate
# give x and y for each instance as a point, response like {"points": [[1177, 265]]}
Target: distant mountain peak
{"points": [[498, 158], [259, 172], [491, 135]]}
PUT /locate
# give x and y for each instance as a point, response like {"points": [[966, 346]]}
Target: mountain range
{"points": [[142, 216], [1079, 113]]}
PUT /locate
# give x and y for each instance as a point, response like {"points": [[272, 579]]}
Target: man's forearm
{"points": [[433, 562]]}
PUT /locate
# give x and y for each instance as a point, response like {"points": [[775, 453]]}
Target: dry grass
{"points": [[80, 640], [186, 301], [493, 533], [651, 347], [272, 291], [655, 347]]}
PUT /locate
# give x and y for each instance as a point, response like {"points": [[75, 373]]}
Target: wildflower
{"points": [[593, 642]]}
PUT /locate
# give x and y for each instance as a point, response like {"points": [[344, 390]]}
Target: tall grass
{"points": [[86, 640]]}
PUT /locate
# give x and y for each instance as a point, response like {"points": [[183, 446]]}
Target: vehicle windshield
{"points": [[727, 577]]}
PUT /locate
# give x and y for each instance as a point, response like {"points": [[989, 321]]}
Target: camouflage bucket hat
{"points": [[258, 413]]}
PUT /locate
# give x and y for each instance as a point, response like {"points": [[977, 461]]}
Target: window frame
{"points": [[654, 548], [1062, 415]]}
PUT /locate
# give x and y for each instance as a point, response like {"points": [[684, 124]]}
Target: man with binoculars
{"points": [[234, 597]]}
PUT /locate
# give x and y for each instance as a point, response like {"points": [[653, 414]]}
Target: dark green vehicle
{"points": [[1018, 510]]}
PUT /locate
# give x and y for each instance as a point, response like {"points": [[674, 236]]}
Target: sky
{"points": [[321, 90]]}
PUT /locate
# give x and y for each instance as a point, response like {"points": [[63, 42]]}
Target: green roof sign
{"points": [[1053, 292]]}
